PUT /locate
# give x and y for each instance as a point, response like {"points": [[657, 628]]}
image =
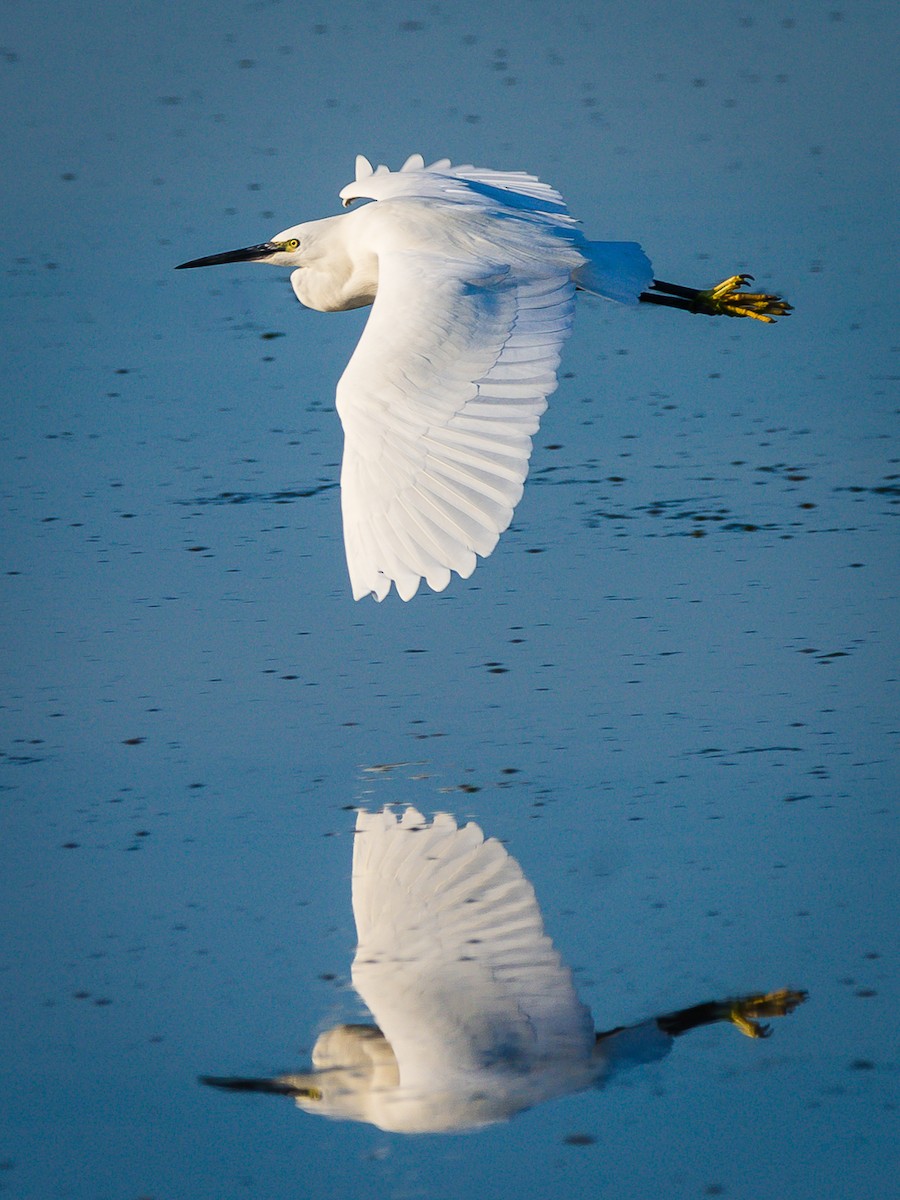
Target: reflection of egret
{"points": [[475, 273], [477, 1015]]}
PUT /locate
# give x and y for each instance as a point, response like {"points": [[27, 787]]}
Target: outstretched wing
{"points": [[439, 404], [452, 959]]}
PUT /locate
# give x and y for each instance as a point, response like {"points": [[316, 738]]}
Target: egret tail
{"points": [[619, 271]]}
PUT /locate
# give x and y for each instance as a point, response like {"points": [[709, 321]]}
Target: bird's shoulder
{"points": [[417, 236]]}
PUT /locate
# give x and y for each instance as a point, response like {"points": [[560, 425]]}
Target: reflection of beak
{"points": [[248, 254], [285, 1085]]}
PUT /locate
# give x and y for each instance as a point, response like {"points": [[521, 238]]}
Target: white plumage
{"points": [[454, 965], [477, 1014], [472, 275], [475, 296]]}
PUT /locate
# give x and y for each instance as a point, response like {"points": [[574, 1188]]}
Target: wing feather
{"points": [[439, 404], [452, 959], [442, 181]]}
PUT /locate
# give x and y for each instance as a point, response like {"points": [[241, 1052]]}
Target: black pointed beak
{"points": [[248, 254]]}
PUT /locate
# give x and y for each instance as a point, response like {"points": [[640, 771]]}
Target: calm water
{"points": [[668, 692]]}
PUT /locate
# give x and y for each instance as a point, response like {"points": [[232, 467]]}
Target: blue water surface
{"points": [[669, 691]]}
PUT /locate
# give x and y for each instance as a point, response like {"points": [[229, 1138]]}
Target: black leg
{"points": [[742, 1011], [725, 299]]}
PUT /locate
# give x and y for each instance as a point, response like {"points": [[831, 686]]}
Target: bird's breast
{"points": [[336, 286]]}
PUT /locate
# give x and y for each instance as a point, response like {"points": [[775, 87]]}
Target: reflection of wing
{"points": [[453, 960]]}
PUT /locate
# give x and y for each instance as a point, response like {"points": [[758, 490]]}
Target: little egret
{"points": [[478, 1017], [472, 274]]}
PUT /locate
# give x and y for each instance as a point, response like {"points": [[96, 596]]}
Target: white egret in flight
{"points": [[477, 1015], [472, 275]]}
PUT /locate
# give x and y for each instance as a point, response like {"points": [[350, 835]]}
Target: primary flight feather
{"points": [[471, 274]]}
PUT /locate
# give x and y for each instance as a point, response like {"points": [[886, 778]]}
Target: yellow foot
{"points": [[727, 299], [744, 1013]]}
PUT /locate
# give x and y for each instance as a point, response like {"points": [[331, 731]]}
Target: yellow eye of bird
{"points": [[291, 244]]}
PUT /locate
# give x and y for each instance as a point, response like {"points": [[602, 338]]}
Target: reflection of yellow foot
{"points": [[744, 1013], [727, 299]]}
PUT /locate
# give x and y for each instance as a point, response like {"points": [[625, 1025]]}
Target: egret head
{"points": [[284, 250]]}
